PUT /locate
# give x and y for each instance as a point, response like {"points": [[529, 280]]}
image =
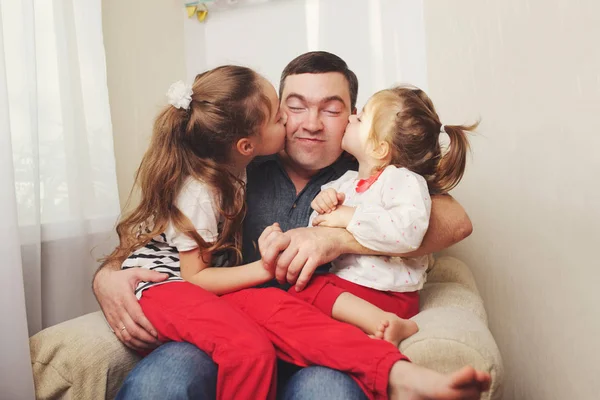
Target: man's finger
{"points": [[123, 336], [131, 335], [142, 328], [138, 345], [128, 345], [295, 268], [307, 272], [283, 264], [146, 275], [134, 331], [117, 332], [132, 342], [341, 197]]}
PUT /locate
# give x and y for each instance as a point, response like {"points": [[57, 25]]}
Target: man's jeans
{"points": [[178, 370]]}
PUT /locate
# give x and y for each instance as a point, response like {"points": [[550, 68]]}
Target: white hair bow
{"points": [[444, 141], [180, 95]]}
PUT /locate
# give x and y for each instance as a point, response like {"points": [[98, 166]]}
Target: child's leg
{"points": [[304, 336], [246, 358], [371, 319], [409, 381], [378, 314]]}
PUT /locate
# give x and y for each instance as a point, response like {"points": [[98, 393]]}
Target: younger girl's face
{"points": [[356, 136], [272, 134]]}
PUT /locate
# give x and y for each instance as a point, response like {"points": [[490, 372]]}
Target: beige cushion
{"points": [[453, 328], [79, 359], [82, 358]]}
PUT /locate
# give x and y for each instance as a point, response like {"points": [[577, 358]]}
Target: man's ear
{"points": [[381, 150], [245, 147]]}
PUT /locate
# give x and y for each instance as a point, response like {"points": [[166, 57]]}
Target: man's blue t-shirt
{"points": [[271, 197]]}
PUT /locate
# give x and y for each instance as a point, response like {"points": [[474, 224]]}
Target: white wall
{"points": [[531, 70], [383, 42], [144, 55], [151, 44]]}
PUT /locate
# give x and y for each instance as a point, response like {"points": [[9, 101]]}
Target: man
{"points": [[318, 93]]}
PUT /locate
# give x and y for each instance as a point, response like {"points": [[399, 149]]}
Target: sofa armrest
{"points": [[79, 359], [450, 338], [453, 329]]}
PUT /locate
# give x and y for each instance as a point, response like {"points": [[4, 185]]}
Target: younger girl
{"points": [[398, 141]]}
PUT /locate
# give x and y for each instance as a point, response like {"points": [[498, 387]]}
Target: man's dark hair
{"points": [[320, 62]]}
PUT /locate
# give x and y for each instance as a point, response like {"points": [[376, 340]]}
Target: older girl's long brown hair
{"points": [[405, 117], [228, 104]]}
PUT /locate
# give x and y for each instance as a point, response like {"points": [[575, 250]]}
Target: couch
{"points": [[82, 359]]}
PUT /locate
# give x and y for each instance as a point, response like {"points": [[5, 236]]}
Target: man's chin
{"points": [[308, 161], [313, 165]]}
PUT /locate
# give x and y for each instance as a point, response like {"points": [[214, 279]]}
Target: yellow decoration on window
{"points": [[191, 10], [201, 14], [197, 8]]}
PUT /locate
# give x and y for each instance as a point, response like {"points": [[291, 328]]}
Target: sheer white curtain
{"points": [[58, 190]]}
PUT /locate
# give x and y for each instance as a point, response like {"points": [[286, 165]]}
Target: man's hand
{"points": [[297, 253], [338, 218], [327, 201], [114, 291]]}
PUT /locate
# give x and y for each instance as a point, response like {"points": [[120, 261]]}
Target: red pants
{"points": [[183, 312], [323, 291], [300, 333]]}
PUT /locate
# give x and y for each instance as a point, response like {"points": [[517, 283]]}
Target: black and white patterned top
{"points": [[197, 202]]}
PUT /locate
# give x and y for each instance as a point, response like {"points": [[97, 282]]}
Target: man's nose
{"points": [[313, 122]]}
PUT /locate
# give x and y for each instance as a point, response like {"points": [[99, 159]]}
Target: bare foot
{"points": [[411, 382], [395, 329]]}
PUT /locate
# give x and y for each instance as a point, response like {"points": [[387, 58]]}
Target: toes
{"points": [[465, 376], [484, 380], [383, 325]]}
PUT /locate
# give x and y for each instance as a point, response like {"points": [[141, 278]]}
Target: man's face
{"points": [[317, 108]]}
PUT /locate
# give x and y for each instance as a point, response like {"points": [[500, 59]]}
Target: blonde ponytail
{"points": [[451, 166]]}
